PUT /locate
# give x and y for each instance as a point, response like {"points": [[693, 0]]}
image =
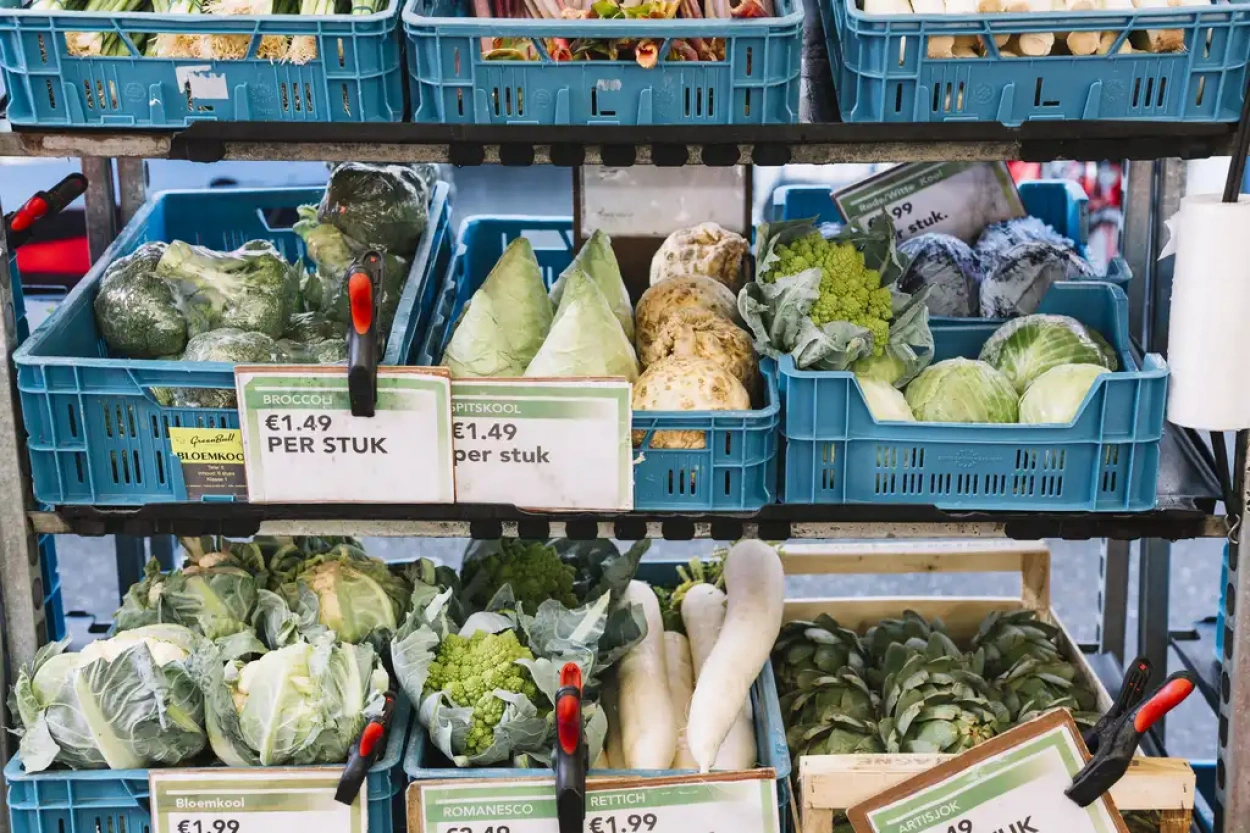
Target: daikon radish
{"points": [[754, 590], [680, 688], [887, 7], [1083, 43], [704, 617], [648, 724], [966, 46], [939, 46], [1162, 40], [1108, 41], [610, 700], [602, 761]]}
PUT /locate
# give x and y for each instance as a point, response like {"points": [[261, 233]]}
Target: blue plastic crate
{"points": [[882, 72], [450, 81], [738, 468], [424, 762], [116, 800], [357, 75], [1061, 203], [95, 433], [1105, 460]]}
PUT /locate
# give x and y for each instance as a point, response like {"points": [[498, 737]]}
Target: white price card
{"points": [[1013, 783], [543, 443], [956, 198], [736, 802], [253, 801], [302, 444]]}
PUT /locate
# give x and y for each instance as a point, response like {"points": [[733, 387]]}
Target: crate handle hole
{"points": [[1202, 86], [1136, 92], [43, 52], [160, 467], [1163, 85], [698, 102], [898, 98], [342, 53], [746, 102], [286, 101], [130, 419], [455, 62], [937, 96], [73, 420], [507, 99], [138, 469], [78, 465], [711, 111], [1207, 41], [749, 59], [728, 484], [902, 57], [113, 94], [308, 100], [1150, 88], [1038, 101], [959, 98], [86, 85], [51, 93], [520, 101]]}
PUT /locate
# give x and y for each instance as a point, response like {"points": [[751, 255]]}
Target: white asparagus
{"points": [[680, 689], [648, 725], [704, 615], [755, 595]]}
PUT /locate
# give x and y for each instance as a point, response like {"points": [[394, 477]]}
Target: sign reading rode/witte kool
{"points": [[302, 444], [543, 443], [1013, 783], [253, 801], [732, 802]]}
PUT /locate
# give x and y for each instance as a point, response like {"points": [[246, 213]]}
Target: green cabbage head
{"points": [[302, 704], [128, 702], [1056, 395], [885, 402], [1025, 348], [962, 390]]}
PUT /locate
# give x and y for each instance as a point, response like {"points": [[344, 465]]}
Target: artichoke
{"points": [[1143, 821], [935, 700], [822, 645], [1023, 658]]}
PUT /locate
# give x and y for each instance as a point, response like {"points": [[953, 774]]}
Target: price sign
{"points": [[1013, 783], [543, 444], [253, 801], [737, 802], [956, 198], [302, 444]]}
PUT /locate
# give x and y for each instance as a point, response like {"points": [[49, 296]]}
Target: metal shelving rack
{"points": [[1189, 503]]}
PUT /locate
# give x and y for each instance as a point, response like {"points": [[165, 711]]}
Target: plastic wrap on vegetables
{"points": [[251, 288], [1002, 236], [951, 270], [377, 206], [706, 250], [138, 313], [1016, 281], [223, 345]]}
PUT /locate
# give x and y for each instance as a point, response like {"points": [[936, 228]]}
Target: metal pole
{"points": [[101, 204], [1232, 771], [21, 581], [1113, 599], [132, 185], [1153, 591]]}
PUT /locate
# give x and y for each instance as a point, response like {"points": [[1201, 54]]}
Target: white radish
{"points": [[680, 688], [755, 592], [610, 700], [648, 724], [602, 761], [704, 617]]}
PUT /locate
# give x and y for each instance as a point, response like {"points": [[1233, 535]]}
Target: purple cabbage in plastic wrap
{"points": [[1021, 258], [949, 267]]}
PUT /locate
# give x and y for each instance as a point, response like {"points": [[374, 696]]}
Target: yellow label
{"points": [[207, 445]]}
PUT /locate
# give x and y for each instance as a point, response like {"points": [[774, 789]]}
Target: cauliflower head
{"points": [[469, 671], [849, 290]]}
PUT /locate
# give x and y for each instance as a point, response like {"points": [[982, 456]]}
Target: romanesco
{"points": [[469, 671], [849, 291], [533, 570]]}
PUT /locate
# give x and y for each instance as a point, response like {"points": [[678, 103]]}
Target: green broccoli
{"points": [[849, 290], [377, 206], [469, 671], [532, 569], [223, 345], [251, 288], [137, 312], [311, 327]]}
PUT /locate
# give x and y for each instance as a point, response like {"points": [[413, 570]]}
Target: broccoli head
{"points": [[252, 288], [137, 312], [321, 351], [223, 345], [469, 671], [309, 327], [532, 569], [377, 206]]}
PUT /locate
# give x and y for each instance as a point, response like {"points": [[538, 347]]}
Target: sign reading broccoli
{"points": [[302, 444]]}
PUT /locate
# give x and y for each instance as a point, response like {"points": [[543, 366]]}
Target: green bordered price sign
{"points": [[733, 802], [543, 443], [302, 444], [253, 801], [956, 198], [1012, 783]]}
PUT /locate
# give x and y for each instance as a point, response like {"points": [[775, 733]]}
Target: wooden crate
{"points": [[830, 783]]}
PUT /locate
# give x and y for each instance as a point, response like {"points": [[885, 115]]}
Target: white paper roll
{"points": [[1209, 329]]}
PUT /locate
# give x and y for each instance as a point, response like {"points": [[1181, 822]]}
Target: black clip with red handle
{"points": [[1132, 691], [365, 752], [571, 756], [19, 225], [364, 278], [1118, 741]]}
